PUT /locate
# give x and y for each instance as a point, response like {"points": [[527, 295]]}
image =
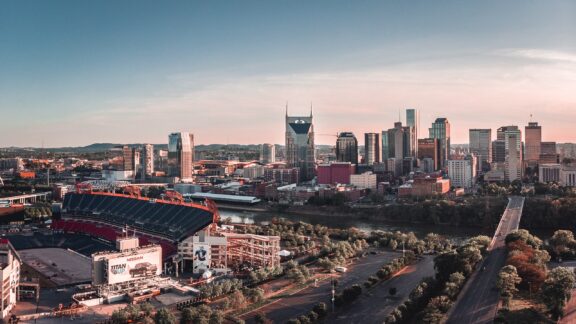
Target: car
{"points": [[341, 269]]}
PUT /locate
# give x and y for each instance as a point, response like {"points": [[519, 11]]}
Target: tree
{"points": [[561, 242], [506, 282], [262, 319], [146, 308], [164, 316], [556, 291], [237, 299], [454, 284], [217, 317], [525, 236], [119, 316], [321, 309]]}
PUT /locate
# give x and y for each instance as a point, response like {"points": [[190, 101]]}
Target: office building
{"points": [[429, 148], [480, 144], [441, 130], [372, 147], [268, 153], [548, 153], [385, 146], [533, 141], [282, 175], [498, 151], [549, 172], [399, 148], [568, 176], [462, 173], [347, 148], [413, 121], [513, 164], [14, 164], [300, 149], [366, 180], [181, 155], [335, 173]]}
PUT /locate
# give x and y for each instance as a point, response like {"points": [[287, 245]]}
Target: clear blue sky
{"points": [[77, 72]]}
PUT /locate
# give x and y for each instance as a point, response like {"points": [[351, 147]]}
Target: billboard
{"points": [[145, 263], [201, 260]]}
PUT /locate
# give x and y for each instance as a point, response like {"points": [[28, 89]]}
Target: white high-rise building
{"points": [[462, 173], [267, 153]]}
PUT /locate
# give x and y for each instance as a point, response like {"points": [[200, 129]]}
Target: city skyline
{"points": [[79, 73]]}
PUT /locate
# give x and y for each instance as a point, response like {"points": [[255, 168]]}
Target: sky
{"points": [[74, 72]]}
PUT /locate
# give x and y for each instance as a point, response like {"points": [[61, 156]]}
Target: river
{"points": [[456, 233]]}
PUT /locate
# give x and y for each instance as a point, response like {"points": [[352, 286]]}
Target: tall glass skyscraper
{"points": [[300, 149], [441, 130], [413, 121], [347, 148], [181, 155]]}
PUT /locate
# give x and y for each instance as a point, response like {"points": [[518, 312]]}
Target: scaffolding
{"points": [[257, 250]]}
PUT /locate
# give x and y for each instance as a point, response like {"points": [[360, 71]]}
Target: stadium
{"points": [[107, 215]]}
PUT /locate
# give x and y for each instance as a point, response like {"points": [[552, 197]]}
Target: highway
{"points": [[478, 300]]}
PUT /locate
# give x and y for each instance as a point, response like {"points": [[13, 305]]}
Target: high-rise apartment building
{"points": [[441, 130], [268, 153], [429, 148], [533, 140], [300, 149], [347, 148], [181, 155], [127, 158], [147, 161], [413, 121], [480, 144], [372, 147]]}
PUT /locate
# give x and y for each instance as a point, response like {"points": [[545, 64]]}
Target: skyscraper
{"points": [[267, 153], [533, 137], [372, 147], [347, 148], [147, 161], [127, 158], [512, 137], [441, 130], [300, 149], [413, 121], [385, 146], [429, 148], [181, 155], [398, 147], [481, 145]]}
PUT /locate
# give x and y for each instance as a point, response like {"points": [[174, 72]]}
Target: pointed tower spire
{"points": [[310, 108], [286, 108]]}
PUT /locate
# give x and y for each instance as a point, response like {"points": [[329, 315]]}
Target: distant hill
{"points": [[103, 147]]}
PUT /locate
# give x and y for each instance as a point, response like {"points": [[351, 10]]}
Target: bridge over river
{"points": [[478, 301]]}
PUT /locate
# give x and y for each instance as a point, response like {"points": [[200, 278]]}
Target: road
{"points": [[282, 309], [377, 305], [478, 301]]}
